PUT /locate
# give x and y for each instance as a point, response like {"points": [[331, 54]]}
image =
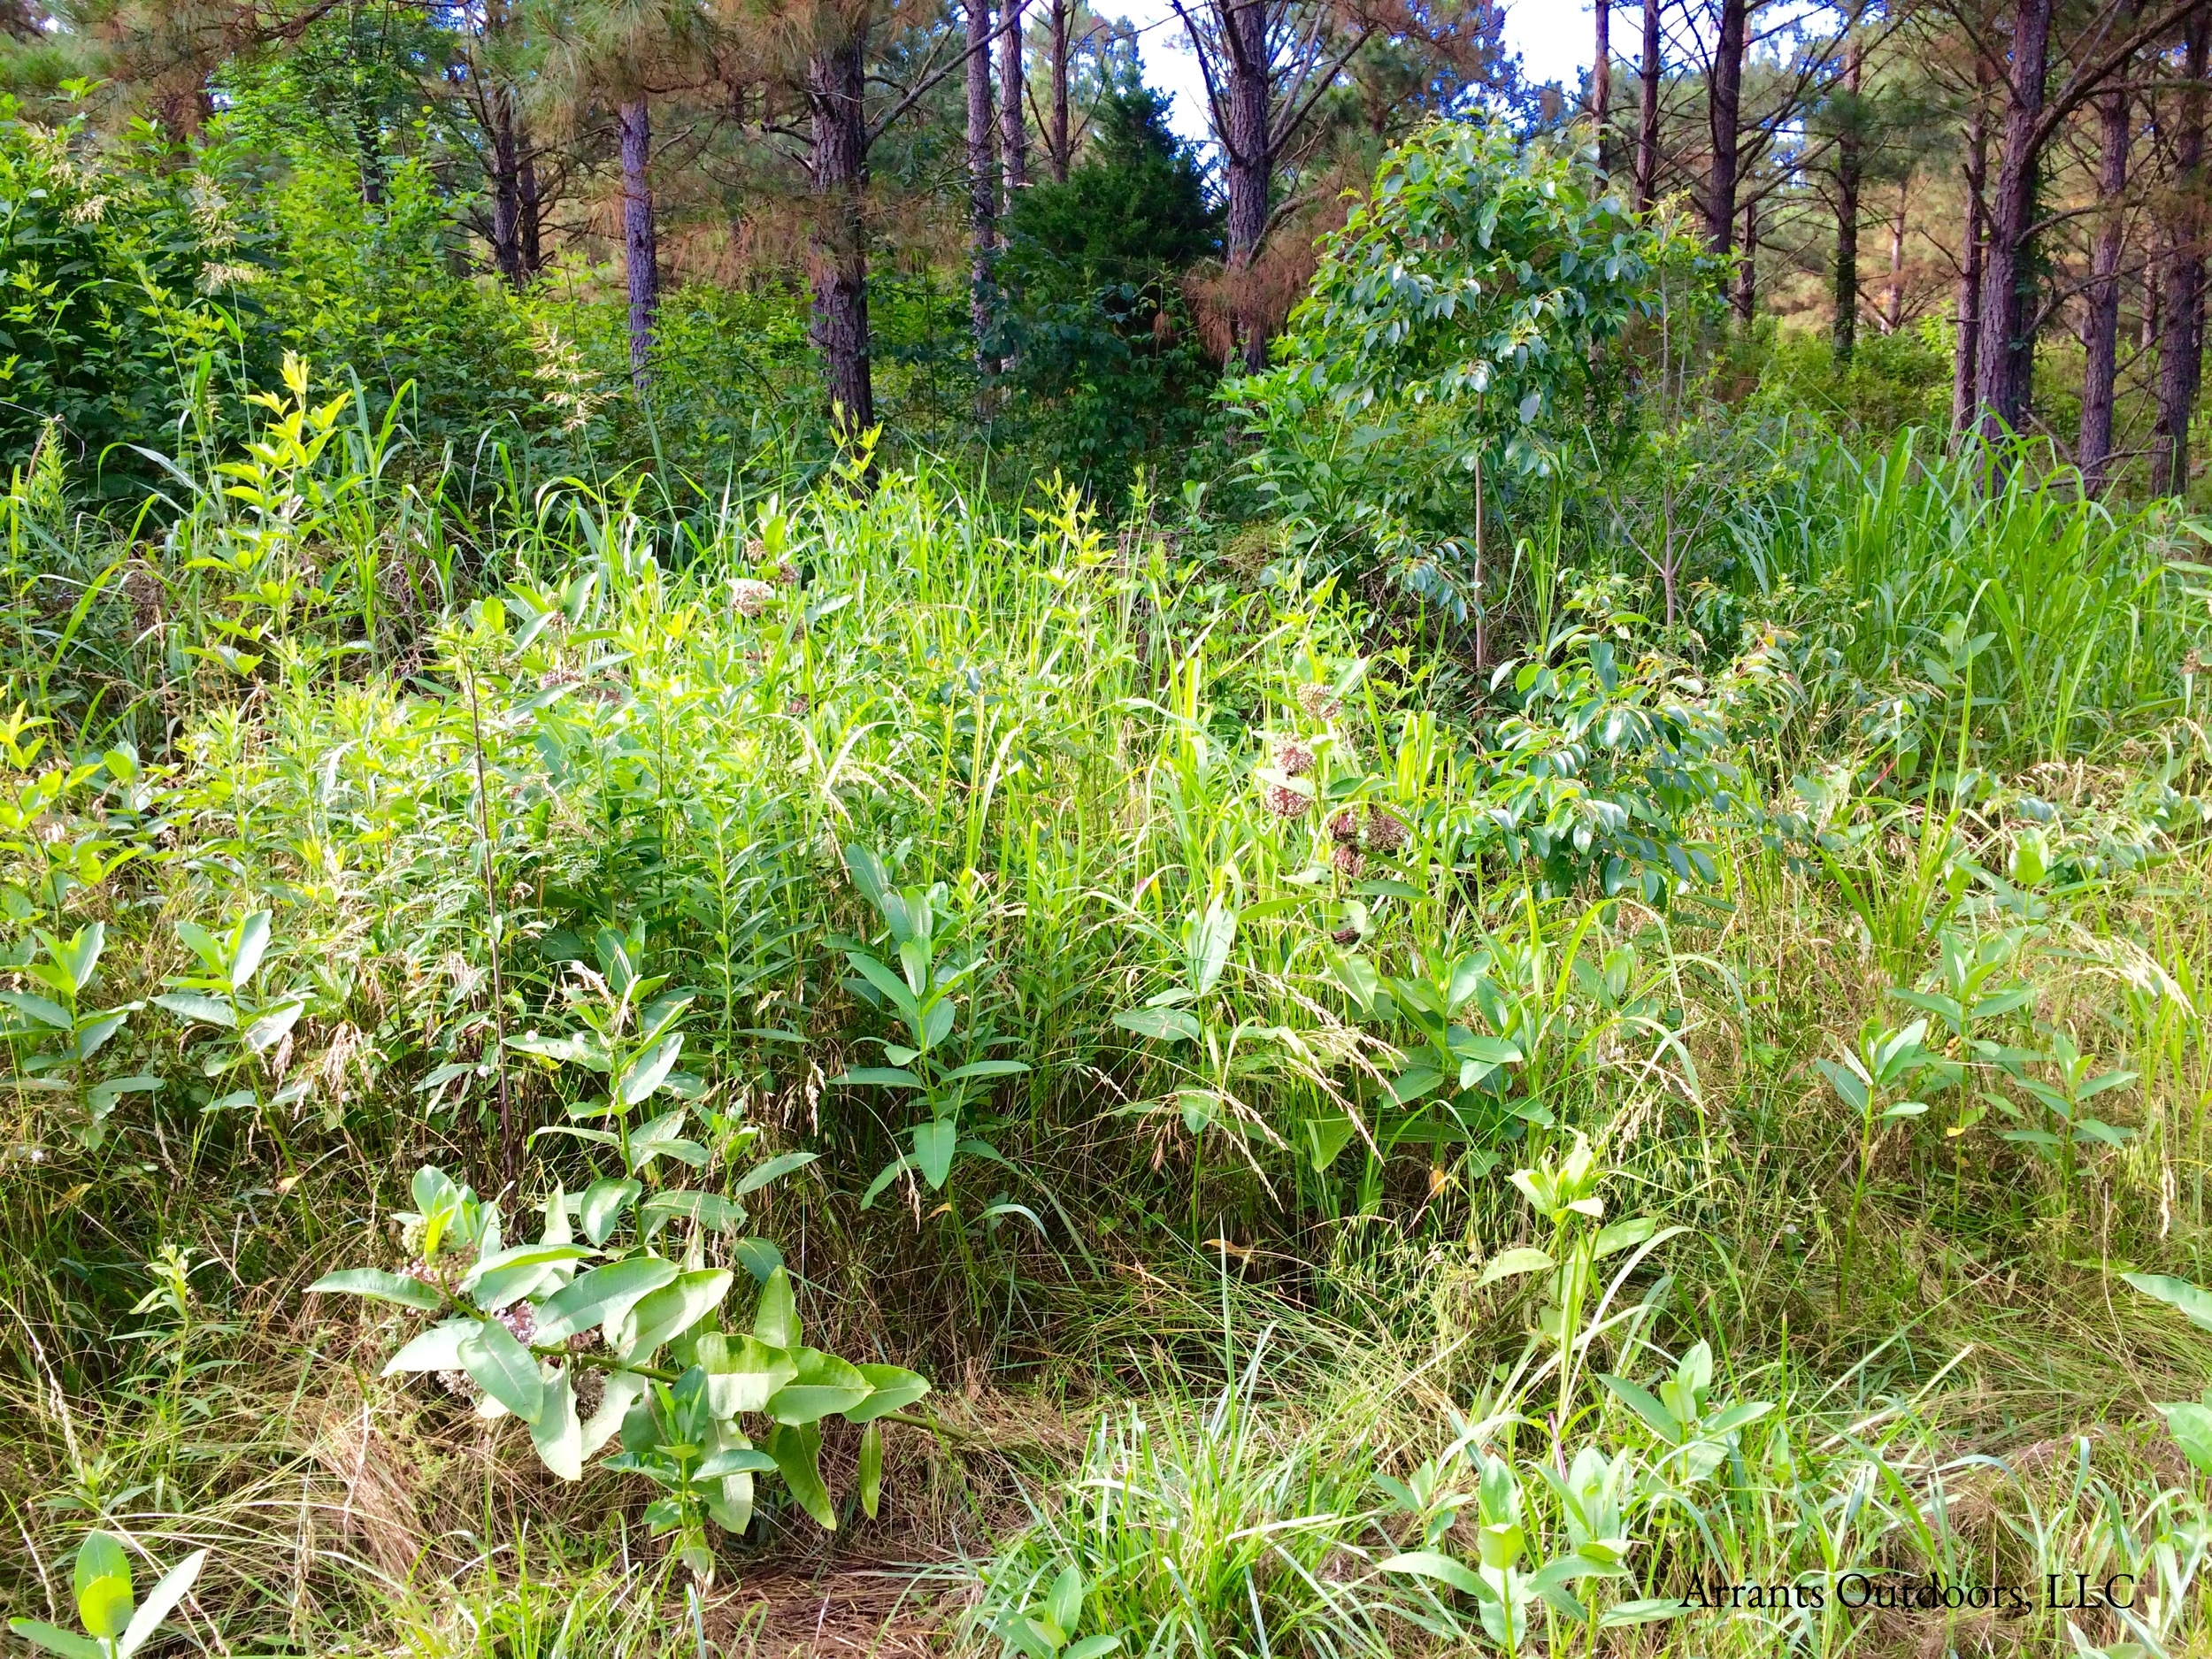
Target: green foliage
{"points": [[126, 263], [570, 1350], [1104, 371], [116, 1625], [1455, 324]]}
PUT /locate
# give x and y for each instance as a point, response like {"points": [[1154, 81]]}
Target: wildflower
{"points": [[1344, 828], [1284, 801], [787, 574], [1294, 759], [521, 1318], [1386, 832], [591, 1389], [798, 705], [1345, 936], [748, 598], [1319, 702], [1349, 860], [461, 1385], [756, 549]]}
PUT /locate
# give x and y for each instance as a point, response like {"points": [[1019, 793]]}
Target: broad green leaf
{"points": [[988, 1068], [268, 1030], [253, 944], [603, 1294], [374, 1281], [871, 1469], [557, 1435], [504, 1369], [1414, 1082], [207, 1010], [823, 1386], [174, 1584], [1507, 1263], [54, 1639], [1162, 1025], [797, 1450], [496, 1282], [604, 1200], [891, 1388], [670, 1312], [2191, 1425], [438, 1349], [736, 1461], [774, 1169], [708, 1209], [1647, 1610], [105, 1603], [743, 1373], [934, 1145], [1064, 1601], [1093, 1647], [887, 1076], [625, 1389], [1206, 942], [646, 1072], [1427, 1564], [776, 1315], [43, 1009]]}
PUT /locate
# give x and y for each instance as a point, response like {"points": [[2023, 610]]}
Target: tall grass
{"points": [[482, 720]]}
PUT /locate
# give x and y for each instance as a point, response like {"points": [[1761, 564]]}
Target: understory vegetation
{"points": [[1570, 1011]]}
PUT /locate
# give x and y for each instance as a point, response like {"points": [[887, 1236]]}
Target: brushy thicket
{"points": [[1375, 1150]]}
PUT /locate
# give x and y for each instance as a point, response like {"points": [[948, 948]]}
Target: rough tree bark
{"points": [[533, 205], [2181, 345], [1601, 80], [1850, 166], [1251, 159], [1894, 294], [506, 187], [640, 255], [1724, 114], [1013, 133], [2101, 339], [1969, 302], [1057, 141], [2000, 387], [838, 251], [982, 181], [1747, 268], [1647, 112]]}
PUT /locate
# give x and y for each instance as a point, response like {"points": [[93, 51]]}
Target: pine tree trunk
{"points": [[1747, 268], [2001, 377], [1970, 301], [1850, 162], [506, 187], [533, 205], [640, 257], [1013, 127], [2181, 345], [1647, 112], [2101, 339], [1724, 112], [982, 179], [1251, 159], [838, 253], [1058, 144], [1602, 82], [1894, 296]]}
